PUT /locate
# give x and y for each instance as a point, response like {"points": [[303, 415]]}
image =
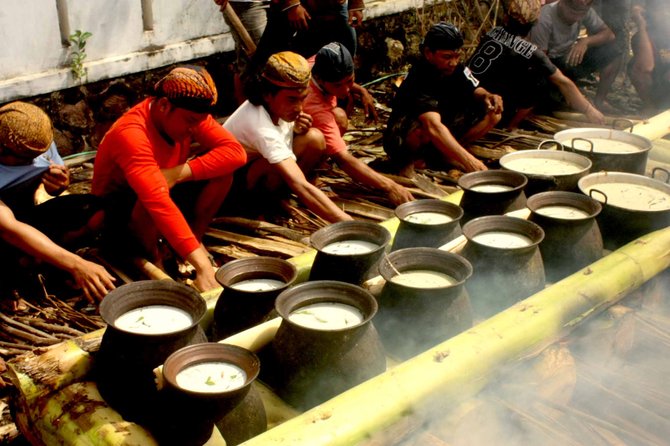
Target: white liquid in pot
{"points": [[327, 316], [345, 247], [424, 279], [566, 212], [154, 319], [632, 196], [604, 145], [211, 377], [543, 166], [428, 218], [491, 188], [502, 239], [258, 285]]}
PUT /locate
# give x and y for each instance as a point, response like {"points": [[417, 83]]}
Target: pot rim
{"points": [[484, 177], [369, 231], [196, 313], [211, 352], [509, 224], [581, 161], [454, 211], [642, 143], [257, 267], [624, 177], [432, 252], [336, 292], [564, 198]]}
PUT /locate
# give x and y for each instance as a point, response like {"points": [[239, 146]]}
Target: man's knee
{"points": [[341, 119]]}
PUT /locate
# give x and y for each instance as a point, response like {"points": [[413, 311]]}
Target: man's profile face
{"points": [[178, 123], [286, 104], [445, 61], [340, 89], [9, 158]]}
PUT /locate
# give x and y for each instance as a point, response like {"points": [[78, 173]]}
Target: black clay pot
{"points": [[307, 365], [503, 275], [572, 238], [245, 421], [126, 360], [238, 309], [417, 232], [491, 192], [188, 414], [418, 315], [353, 267]]}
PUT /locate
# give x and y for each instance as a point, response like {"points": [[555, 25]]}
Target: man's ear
{"points": [[163, 104]]}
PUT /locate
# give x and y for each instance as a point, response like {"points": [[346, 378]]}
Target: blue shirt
{"points": [[13, 175]]}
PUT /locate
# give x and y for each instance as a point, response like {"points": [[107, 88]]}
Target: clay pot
{"points": [[571, 241], [239, 309], [308, 365], [414, 317], [491, 192], [348, 267], [416, 233], [189, 413], [503, 275], [245, 421], [125, 362]]}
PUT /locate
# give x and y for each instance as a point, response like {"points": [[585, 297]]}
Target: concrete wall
{"points": [[128, 36]]}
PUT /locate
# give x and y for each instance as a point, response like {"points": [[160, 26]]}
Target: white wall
{"points": [[33, 59]]}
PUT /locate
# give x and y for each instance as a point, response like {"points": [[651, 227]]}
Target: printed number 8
{"points": [[482, 59]]}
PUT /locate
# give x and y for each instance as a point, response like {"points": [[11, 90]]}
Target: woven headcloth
{"points": [[524, 11], [25, 129], [287, 70], [333, 62], [190, 87], [443, 36]]}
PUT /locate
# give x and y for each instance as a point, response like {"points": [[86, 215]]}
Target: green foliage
{"points": [[78, 55]]}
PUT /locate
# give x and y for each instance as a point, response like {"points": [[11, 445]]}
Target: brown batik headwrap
{"points": [[287, 70], [524, 11], [189, 87], [25, 129]]}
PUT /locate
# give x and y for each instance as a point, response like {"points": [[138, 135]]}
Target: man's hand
{"points": [[367, 102], [177, 174], [472, 164], [493, 103], [298, 18], [56, 179], [92, 279], [399, 194], [302, 123], [594, 115], [576, 54]]}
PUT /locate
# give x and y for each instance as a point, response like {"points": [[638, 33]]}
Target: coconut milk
{"points": [[428, 218], [543, 166], [632, 196], [346, 247], [502, 239], [327, 316], [154, 319], [604, 145], [565, 212], [420, 278], [491, 188], [258, 285], [211, 377]]}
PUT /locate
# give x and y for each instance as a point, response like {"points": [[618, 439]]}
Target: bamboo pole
{"points": [[462, 365]]}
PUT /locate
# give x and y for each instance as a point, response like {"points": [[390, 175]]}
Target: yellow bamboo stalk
{"points": [[462, 365]]}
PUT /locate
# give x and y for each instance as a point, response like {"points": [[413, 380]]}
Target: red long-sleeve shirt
{"points": [[133, 152]]}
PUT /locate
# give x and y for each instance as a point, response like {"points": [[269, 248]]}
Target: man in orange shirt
{"points": [[166, 166]]}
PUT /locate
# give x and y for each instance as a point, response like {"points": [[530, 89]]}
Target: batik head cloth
{"points": [[287, 70], [189, 87], [25, 129]]}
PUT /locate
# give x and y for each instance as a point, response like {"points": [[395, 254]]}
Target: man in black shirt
{"points": [[509, 65], [439, 108]]}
